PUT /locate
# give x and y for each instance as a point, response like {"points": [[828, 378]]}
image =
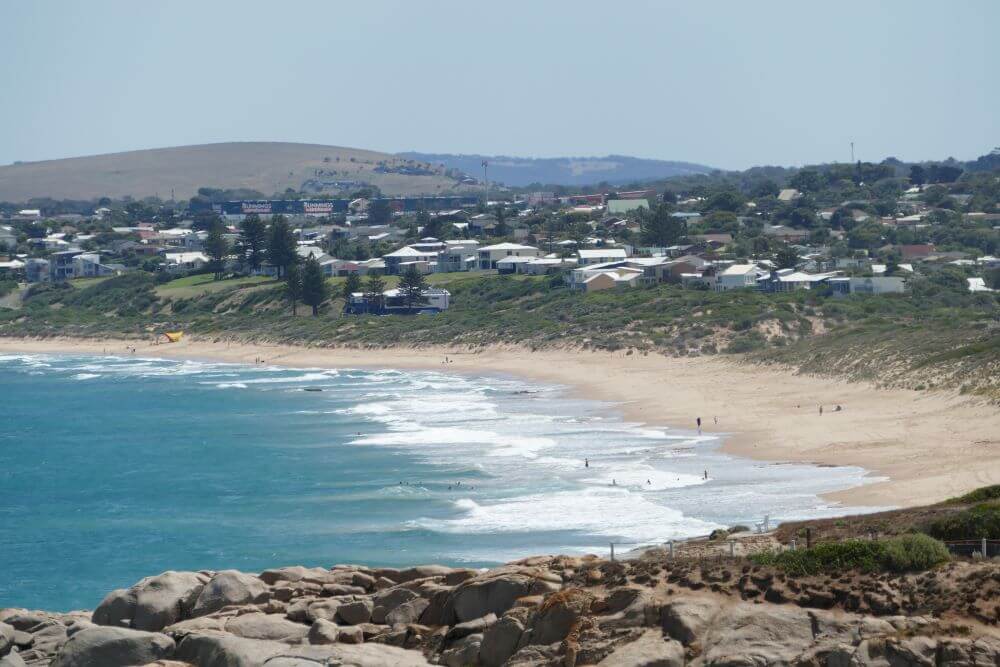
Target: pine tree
{"points": [[217, 249], [374, 289], [293, 284], [315, 291], [281, 245], [253, 241], [411, 286], [351, 285]]}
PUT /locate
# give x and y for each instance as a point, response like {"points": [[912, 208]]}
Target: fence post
{"points": [[612, 552], [809, 538], [984, 549], [671, 549], [732, 548], [767, 522], [793, 544]]}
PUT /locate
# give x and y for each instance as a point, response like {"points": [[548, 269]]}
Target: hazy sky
{"points": [[729, 84]]}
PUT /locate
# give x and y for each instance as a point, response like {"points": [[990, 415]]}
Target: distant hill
{"points": [[263, 166], [518, 172]]}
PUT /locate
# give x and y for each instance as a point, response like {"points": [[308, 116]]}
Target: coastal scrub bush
{"points": [[828, 557], [904, 553], [914, 552], [975, 523], [980, 495]]}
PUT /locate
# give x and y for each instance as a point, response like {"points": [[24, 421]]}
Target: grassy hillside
{"points": [[263, 166], [933, 338]]}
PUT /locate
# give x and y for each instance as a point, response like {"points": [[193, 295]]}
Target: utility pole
{"points": [[852, 152], [486, 183]]}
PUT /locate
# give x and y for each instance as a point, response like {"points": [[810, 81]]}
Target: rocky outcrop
{"points": [[540, 611], [113, 647], [153, 603]]}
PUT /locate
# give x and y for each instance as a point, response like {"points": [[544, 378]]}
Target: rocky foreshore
{"points": [[539, 611]]}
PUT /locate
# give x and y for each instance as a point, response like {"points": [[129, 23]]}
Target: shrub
{"points": [[981, 494], [981, 521], [914, 552], [898, 554], [827, 557]]}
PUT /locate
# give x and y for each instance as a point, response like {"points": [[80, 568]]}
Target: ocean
{"points": [[115, 468]]}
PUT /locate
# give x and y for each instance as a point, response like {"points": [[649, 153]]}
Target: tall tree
{"points": [[281, 245], [786, 257], [659, 227], [351, 285], [411, 286], [217, 248], [501, 229], [293, 284], [374, 291], [253, 241], [379, 212], [315, 291]]}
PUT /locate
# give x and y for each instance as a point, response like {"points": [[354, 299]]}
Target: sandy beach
{"points": [[930, 445]]}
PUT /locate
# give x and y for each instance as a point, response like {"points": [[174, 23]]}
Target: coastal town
{"points": [[868, 229]]}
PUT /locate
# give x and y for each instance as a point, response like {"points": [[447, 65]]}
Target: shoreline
{"points": [[929, 446]]}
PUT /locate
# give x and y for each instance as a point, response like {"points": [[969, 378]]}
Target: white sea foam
{"points": [[86, 376], [613, 513]]}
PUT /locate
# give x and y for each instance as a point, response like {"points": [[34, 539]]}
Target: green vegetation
{"points": [[977, 522], [894, 340], [980, 495], [904, 553]]}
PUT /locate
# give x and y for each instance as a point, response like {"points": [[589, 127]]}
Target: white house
{"points": [[739, 276], [871, 285], [407, 255], [177, 262], [491, 254], [978, 285], [600, 256]]}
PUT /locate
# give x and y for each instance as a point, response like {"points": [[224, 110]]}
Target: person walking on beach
{"points": [[586, 463], [821, 411], [706, 474], [698, 422]]}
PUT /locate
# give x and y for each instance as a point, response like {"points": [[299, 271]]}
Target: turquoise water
{"points": [[115, 468]]}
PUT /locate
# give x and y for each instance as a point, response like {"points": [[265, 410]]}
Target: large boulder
{"points": [[323, 632], [686, 618], [406, 613], [500, 641], [113, 647], [757, 634], [354, 613], [651, 649], [6, 638], [496, 591], [13, 659], [388, 600], [558, 615], [293, 573], [274, 627], [221, 650], [228, 588], [153, 603]]}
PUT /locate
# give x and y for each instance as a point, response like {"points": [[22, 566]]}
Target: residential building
{"points": [[786, 234], [540, 266], [600, 256], [395, 262], [868, 285], [789, 194], [180, 262], [490, 255], [435, 300], [623, 206], [12, 269], [37, 270], [739, 276], [978, 285]]}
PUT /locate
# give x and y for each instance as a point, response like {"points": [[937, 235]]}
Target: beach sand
{"points": [[930, 445]]}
